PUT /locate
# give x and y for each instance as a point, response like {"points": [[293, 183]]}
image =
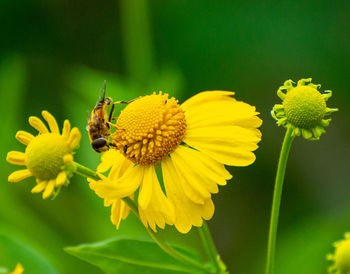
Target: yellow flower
{"points": [[18, 270], [304, 108], [341, 256], [191, 143], [47, 155]]}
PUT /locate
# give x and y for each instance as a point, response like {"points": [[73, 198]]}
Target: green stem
{"points": [[281, 169], [137, 39], [172, 252], [210, 247], [86, 172]]}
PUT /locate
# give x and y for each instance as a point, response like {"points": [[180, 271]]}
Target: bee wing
{"points": [[88, 120], [101, 98]]}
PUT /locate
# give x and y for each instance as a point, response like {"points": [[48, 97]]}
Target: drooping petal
{"points": [[36, 123], [187, 212], [74, 138], [16, 158], [204, 170], [221, 127], [49, 189], [119, 211], [39, 187], [193, 188], [146, 187], [110, 158], [24, 137], [18, 269], [125, 186], [159, 209], [19, 175], [66, 129], [61, 178]]}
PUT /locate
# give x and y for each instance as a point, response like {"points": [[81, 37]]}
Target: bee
{"points": [[99, 123]]}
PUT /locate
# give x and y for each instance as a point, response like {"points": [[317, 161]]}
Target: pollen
{"points": [[150, 128], [44, 155], [305, 106]]}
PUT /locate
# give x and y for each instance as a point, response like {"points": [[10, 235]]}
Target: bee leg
{"points": [[112, 145], [111, 113], [126, 102]]}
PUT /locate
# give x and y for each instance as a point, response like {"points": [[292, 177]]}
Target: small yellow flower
{"points": [[46, 155], [18, 270], [191, 143], [341, 257], [303, 108]]}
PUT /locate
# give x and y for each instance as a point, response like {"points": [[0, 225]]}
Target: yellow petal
{"points": [[66, 129], [187, 212], [224, 154], [116, 214], [36, 123], [112, 190], [108, 158], [74, 138], [125, 209], [51, 121], [39, 187], [216, 109], [204, 169], [146, 187], [230, 145], [49, 189], [159, 210], [193, 188], [206, 96], [18, 270], [24, 137], [120, 166], [223, 128], [119, 211], [19, 175], [61, 178], [16, 158]]}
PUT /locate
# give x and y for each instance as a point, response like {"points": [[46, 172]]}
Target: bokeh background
{"points": [[55, 55]]}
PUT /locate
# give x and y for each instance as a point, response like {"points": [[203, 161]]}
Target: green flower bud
{"points": [[303, 108]]}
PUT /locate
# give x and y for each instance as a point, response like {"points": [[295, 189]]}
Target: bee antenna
{"points": [[102, 92]]}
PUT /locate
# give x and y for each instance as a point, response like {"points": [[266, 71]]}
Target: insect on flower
{"points": [[99, 122]]}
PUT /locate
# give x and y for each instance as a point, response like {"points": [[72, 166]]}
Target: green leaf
{"points": [[13, 251], [130, 255]]}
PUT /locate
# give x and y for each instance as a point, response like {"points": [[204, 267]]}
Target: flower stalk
{"points": [[210, 247], [281, 169]]}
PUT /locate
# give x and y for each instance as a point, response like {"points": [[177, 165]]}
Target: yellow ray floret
{"points": [[44, 155]]}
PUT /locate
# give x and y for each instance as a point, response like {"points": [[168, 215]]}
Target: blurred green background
{"points": [[55, 55]]}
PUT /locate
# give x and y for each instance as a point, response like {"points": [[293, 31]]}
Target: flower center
{"points": [[44, 155], [305, 107], [150, 128]]}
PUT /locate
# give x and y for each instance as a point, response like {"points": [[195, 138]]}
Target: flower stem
{"points": [[171, 251], [210, 247], [86, 172], [281, 169], [136, 31]]}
